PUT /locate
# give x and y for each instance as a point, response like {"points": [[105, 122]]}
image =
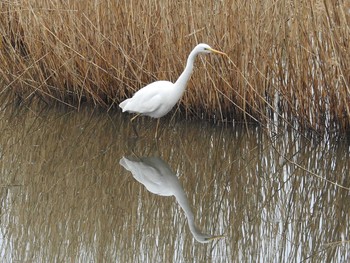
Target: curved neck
{"points": [[186, 74], [183, 202]]}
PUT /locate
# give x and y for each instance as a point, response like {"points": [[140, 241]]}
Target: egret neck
{"points": [[181, 82], [183, 202]]}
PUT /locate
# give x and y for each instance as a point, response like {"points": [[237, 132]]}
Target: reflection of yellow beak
{"points": [[215, 237], [217, 51]]}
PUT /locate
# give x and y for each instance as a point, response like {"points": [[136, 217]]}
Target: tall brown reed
{"points": [[288, 59]]}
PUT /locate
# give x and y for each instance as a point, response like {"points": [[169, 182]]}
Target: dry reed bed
{"points": [[287, 59]]}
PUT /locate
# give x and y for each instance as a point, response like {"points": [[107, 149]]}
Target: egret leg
{"points": [[133, 125], [156, 135], [133, 118], [134, 129]]}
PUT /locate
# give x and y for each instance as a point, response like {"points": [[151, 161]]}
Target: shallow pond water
{"points": [[67, 194]]}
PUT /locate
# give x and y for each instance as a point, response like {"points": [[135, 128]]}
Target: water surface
{"points": [[65, 196]]}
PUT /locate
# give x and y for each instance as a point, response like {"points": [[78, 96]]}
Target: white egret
{"points": [[158, 178], [159, 97]]}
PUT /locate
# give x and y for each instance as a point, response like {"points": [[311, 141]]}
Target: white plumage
{"points": [[158, 98]]}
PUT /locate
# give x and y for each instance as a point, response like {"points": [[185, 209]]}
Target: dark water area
{"points": [[67, 193]]}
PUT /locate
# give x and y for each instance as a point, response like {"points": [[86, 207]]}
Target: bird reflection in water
{"points": [[158, 178]]}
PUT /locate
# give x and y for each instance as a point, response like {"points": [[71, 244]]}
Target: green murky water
{"points": [[65, 197]]}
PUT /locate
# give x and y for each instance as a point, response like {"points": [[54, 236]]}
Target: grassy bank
{"points": [[287, 59]]}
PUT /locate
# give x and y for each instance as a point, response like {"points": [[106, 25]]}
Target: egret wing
{"points": [[148, 99]]}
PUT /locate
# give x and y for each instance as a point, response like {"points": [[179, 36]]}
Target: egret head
{"points": [[199, 236], [205, 238], [204, 48]]}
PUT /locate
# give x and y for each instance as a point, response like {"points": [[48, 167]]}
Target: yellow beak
{"points": [[217, 51]]}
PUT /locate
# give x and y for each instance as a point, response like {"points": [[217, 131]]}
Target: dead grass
{"points": [[288, 60]]}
